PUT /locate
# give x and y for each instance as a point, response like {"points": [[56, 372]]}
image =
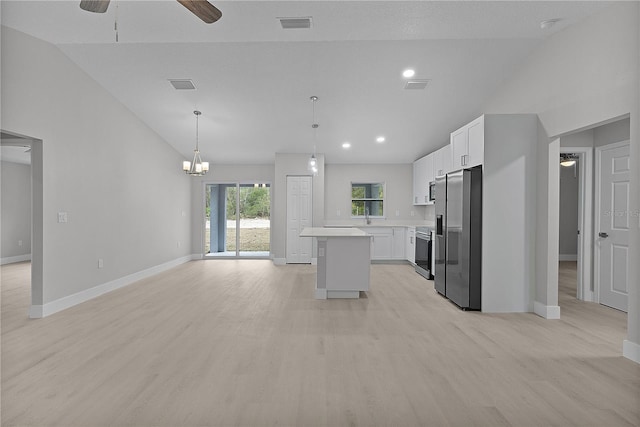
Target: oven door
{"points": [[424, 255]]}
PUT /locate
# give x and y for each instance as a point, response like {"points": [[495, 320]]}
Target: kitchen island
{"points": [[344, 259]]}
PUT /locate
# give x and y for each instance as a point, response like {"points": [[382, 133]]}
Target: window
{"points": [[367, 199]]}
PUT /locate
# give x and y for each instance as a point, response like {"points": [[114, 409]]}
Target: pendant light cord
{"points": [[314, 125]]}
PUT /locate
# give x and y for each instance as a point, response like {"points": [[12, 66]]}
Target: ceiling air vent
{"points": [[295, 23], [416, 84], [182, 84]]}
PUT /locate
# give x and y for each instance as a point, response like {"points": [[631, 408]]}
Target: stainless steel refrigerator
{"points": [[458, 242]]}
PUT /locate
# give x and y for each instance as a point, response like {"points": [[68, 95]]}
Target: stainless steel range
{"points": [[424, 252]]}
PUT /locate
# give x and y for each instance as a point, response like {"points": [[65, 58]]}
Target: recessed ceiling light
{"points": [[346, 145], [380, 139], [408, 73]]}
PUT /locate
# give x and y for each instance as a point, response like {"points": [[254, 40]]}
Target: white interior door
{"points": [[612, 239], [299, 208]]}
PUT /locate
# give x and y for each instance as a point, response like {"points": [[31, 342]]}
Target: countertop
{"points": [[332, 232], [374, 224]]}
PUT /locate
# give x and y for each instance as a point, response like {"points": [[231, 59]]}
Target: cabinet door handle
{"points": [[416, 199], [425, 199], [411, 240]]}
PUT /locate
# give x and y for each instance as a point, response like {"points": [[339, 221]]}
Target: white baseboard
{"points": [[589, 296], [35, 311], [321, 294], [546, 311], [568, 257], [279, 261], [17, 258], [38, 311], [195, 257], [631, 350]]}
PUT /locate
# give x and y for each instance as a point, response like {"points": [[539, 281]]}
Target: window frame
{"points": [[368, 200]]}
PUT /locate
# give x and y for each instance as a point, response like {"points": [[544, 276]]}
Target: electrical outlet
{"points": [[178, 244], [184, 213], [100, 263], [338, 212], [397, 212], [413, 213], [62, 217], [19, 242]]}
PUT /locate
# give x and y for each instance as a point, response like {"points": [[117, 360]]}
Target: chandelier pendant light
{"points": [[313, 160], [196, 167]]}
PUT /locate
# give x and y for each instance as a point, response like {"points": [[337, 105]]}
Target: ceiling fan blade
{"points": [[203, 10], [96, 6]]}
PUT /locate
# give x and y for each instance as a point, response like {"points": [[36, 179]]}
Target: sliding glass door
{"points": [[238, 220]]}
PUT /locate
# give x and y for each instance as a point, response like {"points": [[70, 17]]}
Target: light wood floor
{"points": [[237, 342]]}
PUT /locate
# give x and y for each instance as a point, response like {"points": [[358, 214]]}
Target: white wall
{"points": [[578, 139], [508, 212], [16, 211], [617, 131], [582, 76], [398, 179], [222, 174], [568, 245], [127, 200]]}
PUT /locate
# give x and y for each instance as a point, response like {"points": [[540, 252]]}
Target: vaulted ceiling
{"points": [[253, 79]]}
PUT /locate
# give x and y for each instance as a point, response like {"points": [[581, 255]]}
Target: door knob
{"points": [[603, 235]]}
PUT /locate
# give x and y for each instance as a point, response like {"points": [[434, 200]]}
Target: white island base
{"points": [[344, 260]]}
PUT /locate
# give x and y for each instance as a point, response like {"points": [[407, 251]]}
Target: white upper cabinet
{"points": [[422, 176], [476, 142], [467, 145], [442, 161]]}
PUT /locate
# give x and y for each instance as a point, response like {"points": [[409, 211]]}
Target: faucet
{"points": [[366, 215]]}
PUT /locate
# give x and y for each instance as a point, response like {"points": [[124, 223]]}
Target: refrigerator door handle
{"points": [[439, 225]]}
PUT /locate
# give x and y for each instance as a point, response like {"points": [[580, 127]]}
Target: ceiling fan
{"points": [[201, 8]]}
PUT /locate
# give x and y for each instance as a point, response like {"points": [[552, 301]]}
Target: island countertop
{"points": [[332, 232]]}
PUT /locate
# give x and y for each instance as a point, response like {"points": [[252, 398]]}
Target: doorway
{"points": [[34, 146], [576, 219], [582, 278], [238, 220]]}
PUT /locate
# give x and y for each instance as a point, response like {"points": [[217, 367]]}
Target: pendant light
{"points": [[196, 167], [313, 160]]}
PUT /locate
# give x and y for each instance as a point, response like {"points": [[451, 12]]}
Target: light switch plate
{"points": [[62, 217]]}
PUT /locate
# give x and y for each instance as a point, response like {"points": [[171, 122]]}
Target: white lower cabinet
{"points": [[380, 243], [399, 243], [387, 242], [410, 247]]}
